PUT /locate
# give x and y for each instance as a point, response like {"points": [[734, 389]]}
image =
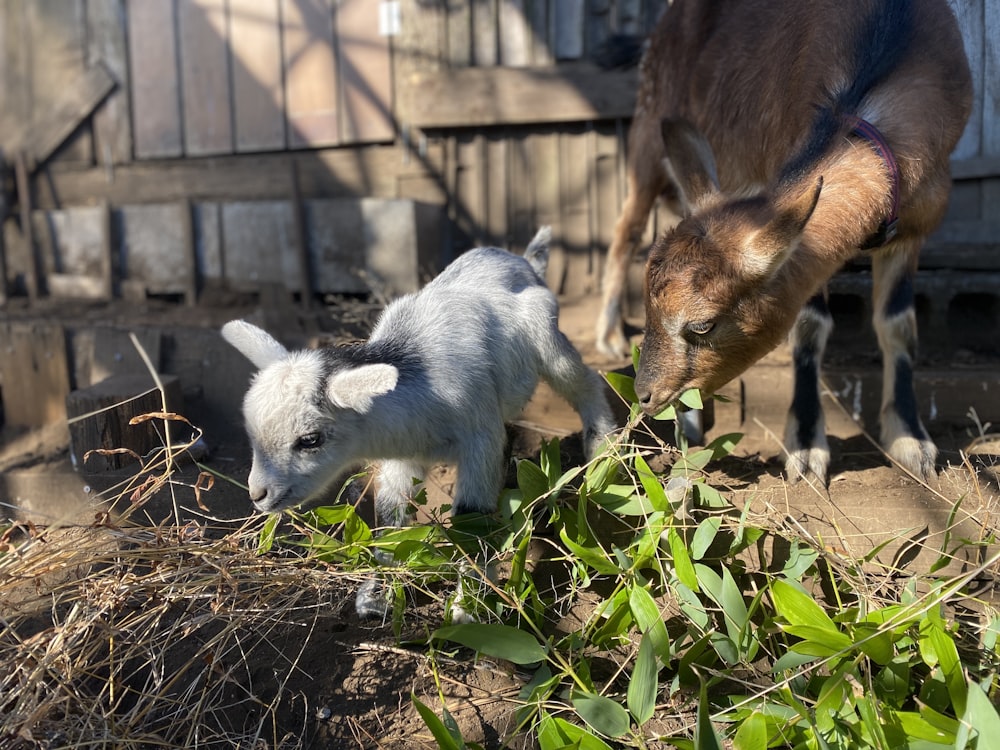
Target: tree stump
{"points": [[99, 420]]}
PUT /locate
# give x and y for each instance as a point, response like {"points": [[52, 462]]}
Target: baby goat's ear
{"points": [[254, 343], [357, 388]]}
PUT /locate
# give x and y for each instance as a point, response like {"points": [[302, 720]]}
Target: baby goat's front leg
{"points": [[394, 490]]}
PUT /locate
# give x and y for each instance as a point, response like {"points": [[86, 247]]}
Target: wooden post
{"points": [[3, 220], [99, 419], [24, 203], [300, 238], [190, 252]]}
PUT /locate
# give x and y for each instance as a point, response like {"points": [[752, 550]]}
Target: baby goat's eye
{"points": [[701, 328], [309, 441]]}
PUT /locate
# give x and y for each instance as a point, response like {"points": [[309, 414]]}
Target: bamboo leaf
{"points": [[691, 398], [601, 714], [798, 608], [558, 734], [752, 734], [642, 687], [705, 736], [444, 738], [501, 641], [683, 566], [623, 385], [649, 620]]}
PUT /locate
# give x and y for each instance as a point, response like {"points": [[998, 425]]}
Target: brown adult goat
{"points": [[789, 135]]}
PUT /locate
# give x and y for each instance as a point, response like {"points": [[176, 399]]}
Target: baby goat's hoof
{"points": [[372, 600]]}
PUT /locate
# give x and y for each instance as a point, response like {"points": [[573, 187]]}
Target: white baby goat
{"points": [[442, 372]]}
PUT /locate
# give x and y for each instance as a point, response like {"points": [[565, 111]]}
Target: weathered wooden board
{"points": [[567, 29], [154, 247], [459, 54], [484, 33], [56, 31], [258, 96], [516, 37], [507, 96], [99, 353], [78, 263], [574, 199], [495, 186], [204, 65], [365, 74], [311, 81], [55, 119], [331, 173], [257, 245], [33, 373], [106, 44], [155, 92], [538, 16]]}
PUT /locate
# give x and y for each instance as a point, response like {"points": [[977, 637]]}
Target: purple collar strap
{"points": [[887, 229]]}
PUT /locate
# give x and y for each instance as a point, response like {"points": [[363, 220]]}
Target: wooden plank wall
{"points": [[212, 77], [311, 80]]}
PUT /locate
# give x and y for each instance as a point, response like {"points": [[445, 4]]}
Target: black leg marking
{"points": [[806, 360], [900, 300], [805, 401], [905, 398]]}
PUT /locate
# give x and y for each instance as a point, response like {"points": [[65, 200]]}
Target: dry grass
{"points": [[126, 637]]}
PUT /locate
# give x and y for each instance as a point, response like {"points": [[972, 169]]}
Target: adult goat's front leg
{"points": [[902, 434], [805, 427]]}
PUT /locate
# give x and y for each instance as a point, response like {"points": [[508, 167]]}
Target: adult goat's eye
{"points": [[701, 328], [309, 441]]}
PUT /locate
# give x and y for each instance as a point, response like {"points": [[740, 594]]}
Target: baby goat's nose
{"points": [[257, 494]]}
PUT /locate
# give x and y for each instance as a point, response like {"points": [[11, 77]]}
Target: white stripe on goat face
{"points": [[285, 403]]}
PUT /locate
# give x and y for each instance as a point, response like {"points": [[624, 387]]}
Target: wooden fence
{"points": [[488, 109]]}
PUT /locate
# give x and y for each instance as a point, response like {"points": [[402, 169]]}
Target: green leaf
{"points": [[705, 736], [691, 398], [642, 687], [558, 734], [723, 445], [981, 715], [704, 535], [651, 484], [683, 566], [667, 415], [798, 608], [752, 734], [917, 727], [531, 480], [623, 385], [601, 714], [724, 592], [265, 542], [501, 641], [937, 647], [649, 620], [594, 556], [444, 738]]}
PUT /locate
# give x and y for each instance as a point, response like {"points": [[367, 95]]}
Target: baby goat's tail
{"points": [[537, 253]]}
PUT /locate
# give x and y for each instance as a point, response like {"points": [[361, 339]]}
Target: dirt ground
{"points": [[353, 680]]}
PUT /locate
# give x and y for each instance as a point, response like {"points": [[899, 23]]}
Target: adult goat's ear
{"points": [[689, 162], [254, 343], [766, 249], [358, 387]]}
